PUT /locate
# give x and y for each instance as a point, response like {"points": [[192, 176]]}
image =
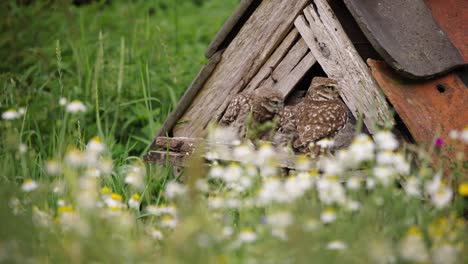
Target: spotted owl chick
{"points": [[321, 114], [261, 105]]}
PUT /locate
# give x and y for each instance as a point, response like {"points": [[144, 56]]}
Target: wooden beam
{"points": [[336, 54], [176, 151], [189, 94], [246, 54], [228, 27]]}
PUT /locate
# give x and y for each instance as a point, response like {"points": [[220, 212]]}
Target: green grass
{"points": [[129, 62]]}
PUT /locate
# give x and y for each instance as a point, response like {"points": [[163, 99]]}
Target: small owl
{"points": [[319, 115], [261, 105]]}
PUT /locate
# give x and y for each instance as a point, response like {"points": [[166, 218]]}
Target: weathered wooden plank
{"points": [[429, 108], [339, 59], [250, 49], [167, 158], [189, 94], [228, 27]]}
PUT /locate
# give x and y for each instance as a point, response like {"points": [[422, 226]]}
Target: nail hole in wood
{"points": [[441, 88]]}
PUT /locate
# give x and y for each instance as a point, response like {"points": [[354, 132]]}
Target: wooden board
{"points": [[228, 29], [407, 36], [428, 108], [247, 53], [339, 59], [176, 152]]}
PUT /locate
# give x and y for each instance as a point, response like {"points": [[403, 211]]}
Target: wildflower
{"points": [[156, 234], [95, 145], [10, 114], [311, 225], [463, 189], [161, 210], [412, 186], [88, 194], [216, 171], [247, 235], [328, 216], [370, 183], [352, 205], [440, 194], [29, 185], [134, 202], [325, 143], [215, 202], [202, 185], [330, 191], [76, 107], [362, 149], [444, 254], [400, 164], [337, 245], [223, 135], [266, 154], [22, 148], [244, 153], [442, 197], [227, 232], [15, 205], [331, 166], [271, 190], [384, 174], [386, 140], [169, 222], [412, 247], [53, 167], [62, 101], [105, 165], [61, 202], [280, 219], [232, 173], [464, 135], [303, 163], [93, 172], [74, 157], [175, 189], [41, 218], [439, 142], [114, 201], [353, 183], [134, 179], [106, 191]]}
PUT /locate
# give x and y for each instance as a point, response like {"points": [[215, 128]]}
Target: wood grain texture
{"points": [[339, 59], [247, 53], [429, 108], [228, 27]]}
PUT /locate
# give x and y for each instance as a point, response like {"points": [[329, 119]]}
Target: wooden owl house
{"points": [[405, 54]]}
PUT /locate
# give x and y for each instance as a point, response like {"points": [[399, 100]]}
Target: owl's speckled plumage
{"points": [[320, 115], [264, 104]]}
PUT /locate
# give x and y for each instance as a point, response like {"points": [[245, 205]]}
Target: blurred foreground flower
{"points": [[76, 107], [11, 114], [337, 245], [29, 185], [413, 248]]}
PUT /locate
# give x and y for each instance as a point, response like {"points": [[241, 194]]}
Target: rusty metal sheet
{"points": [[428, 108], [406, 36], [452, 17]]}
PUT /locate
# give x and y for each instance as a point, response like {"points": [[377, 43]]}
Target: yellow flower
{"points": [[414, 230], [136, 197], [463, 189], [65, 209], [116, 196], [105, 190]]}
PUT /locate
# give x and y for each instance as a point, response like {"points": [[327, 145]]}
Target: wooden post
{"points": [[336, 54]]}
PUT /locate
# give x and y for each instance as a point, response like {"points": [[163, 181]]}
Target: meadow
{"points": [[84, 91]]}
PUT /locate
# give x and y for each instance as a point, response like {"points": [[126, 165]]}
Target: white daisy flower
{"points": [[62, 101], [76, 107], [96, 145], [413, 187], [175, 189], [325, 143], [53, 167], [10, 114], [156, 234], [328, 216], [134, 202], [22, 148], [413, 248], [337, 245], [247, 236], [386, 140], [29, 185]]}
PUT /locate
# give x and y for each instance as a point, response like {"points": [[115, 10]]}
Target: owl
{"points": [[321, 114], [257, 107]]}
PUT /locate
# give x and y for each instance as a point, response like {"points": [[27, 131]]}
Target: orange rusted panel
{"points": [[428, 108], [452, 17]]}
